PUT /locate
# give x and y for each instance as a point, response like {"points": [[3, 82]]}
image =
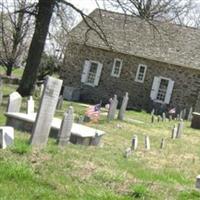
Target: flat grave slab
{"points": [[80, 134]]}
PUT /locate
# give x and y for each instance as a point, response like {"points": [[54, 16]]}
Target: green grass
{"points": [[88, 173], [17, 72]]}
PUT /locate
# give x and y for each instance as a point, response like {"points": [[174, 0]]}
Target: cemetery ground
{"points": [[102, 172]]}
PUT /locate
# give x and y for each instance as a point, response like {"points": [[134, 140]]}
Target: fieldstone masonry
{"points": [[122, 110], [46, 111], [14, 102], [66, 126]]}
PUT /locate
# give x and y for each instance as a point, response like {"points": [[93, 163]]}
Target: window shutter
{"points": [[85, 72], [155, 86], [98, 74], [169, 91]]}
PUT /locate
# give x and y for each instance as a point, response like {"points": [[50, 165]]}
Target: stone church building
{"points": [[157, 63]]}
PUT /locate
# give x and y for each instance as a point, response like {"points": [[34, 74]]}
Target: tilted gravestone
{"points": [[14, 102], [198, 182], [163, 117], [66, 126], [122, 110], [60, 103], [146, 142], [159, 118], [184, 113], [6, 136], [134, 142], [46, 111], [179, 129], [30, 105], [112, 108]]}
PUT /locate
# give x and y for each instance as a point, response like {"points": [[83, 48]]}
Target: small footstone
{"points": [[6, 136], [134, 142], [198, 182], [162, 144], [174, 132], [146, 143]]}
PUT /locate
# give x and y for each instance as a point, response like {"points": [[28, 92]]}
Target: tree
{"points": [[146, 9], [14, 28]]}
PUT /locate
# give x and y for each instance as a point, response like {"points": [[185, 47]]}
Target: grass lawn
{"points": [[91, 173]]}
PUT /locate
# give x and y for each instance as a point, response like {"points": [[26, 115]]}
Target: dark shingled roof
{"points": [[170, 43]]}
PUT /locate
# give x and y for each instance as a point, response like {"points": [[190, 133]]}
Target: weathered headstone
{"points": [[134, 142], [46, 111], [60, 103], [146, 142], [198, 182], [195, 120], [41, 89], [184, 113], [163, 117], [189, 117], [66, 126], [127, 152], [112, 108], [14, 102], [122, 110], [181, 115], [153, 111], [6, 136], [174, 132], [170, 117], [30, 105], [179, 129], [152, 118], [162, 143], [159, 118]]}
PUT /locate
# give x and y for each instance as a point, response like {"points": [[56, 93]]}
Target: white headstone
{"points": [[66, 126], [59, 103], [14, 102], [122, 110], [189, 118], [46, 111], [6, 136], [174, 132], [180, 129], [112, 108], [30, 105]]}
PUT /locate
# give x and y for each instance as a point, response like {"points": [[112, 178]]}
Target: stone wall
{"points": [[187, 80]]}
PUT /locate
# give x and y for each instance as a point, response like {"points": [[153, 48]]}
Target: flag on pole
{"points": [[93, 112], [172, 111]]}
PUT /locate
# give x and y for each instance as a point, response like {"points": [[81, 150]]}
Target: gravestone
{"points": [[6, 136], [152, 118], [174, 132], [134, 142], [146, 142], [30, 105], [162, 143], [184, 113], [179, 129], [159, 118], [122, 110], [163, 117], [60, 103], [41, 89], [198, 182], [127, 152], [66, 126], [197, 105], [153, 111], [195, 120], [112, 108], [189, 117], [46, 111], [14, 102], [170, 117]]}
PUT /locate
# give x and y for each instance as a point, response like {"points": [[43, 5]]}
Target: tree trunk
{"points": [[43, 19], [9, 70]]}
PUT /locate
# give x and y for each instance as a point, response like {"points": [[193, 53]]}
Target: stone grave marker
{"points": [[66, 126], [163, 117], [152, 118], [134, 142], [46, 111], [30, 105], [189, 117], [6, 136], [170, 117], [159, 118], [127, 152], [60, 103], [181, 115], [180, 129], [14, 102], [174, 132], [112, 108], [153, 111], [122, 110], [198, 182], [146, 142], [184, 113], [162, 143]]}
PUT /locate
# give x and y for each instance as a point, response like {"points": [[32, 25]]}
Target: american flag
{"points": [[93, 112], [172, 111]]}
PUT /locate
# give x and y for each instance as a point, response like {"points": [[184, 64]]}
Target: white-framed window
{"points": [[117, 67], [91, 72], [162, 89], [141, 72]]}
